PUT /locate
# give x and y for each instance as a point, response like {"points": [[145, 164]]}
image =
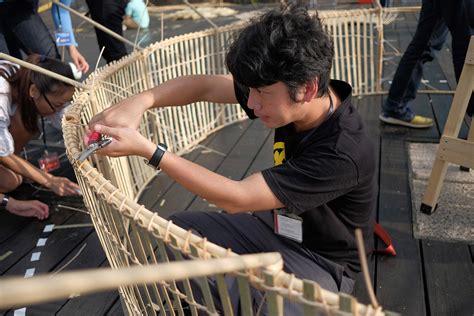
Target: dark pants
{"points": [[109, 13], [21, 28], [245, 234], [429, 35]]}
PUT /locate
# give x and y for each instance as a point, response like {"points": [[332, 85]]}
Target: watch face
{"points": [[4, 202]]}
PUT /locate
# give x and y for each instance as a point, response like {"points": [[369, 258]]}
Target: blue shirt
{"points": [[62, 19], [137, 10]]}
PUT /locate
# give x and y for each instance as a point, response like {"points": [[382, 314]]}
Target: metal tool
{"points": [[93, 147]]}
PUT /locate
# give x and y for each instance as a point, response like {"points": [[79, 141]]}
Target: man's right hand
{"points": [[31, 208]]}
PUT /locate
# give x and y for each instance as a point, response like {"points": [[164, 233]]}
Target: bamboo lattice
{"points": [[132, 235]]}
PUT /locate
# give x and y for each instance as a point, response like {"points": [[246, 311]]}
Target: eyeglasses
{"points": [[49, 103]]}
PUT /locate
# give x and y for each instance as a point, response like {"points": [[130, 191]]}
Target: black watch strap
{"points": [[157, 156], [4, 202]]}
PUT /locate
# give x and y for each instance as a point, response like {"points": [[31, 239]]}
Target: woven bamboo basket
{"points": [[131, 235]]}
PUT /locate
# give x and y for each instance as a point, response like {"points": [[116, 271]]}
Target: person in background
{"points": [[435, 44], [435, 16], [63, 25], [136, 15], [25, 96], [23, 29], [109, 13]]}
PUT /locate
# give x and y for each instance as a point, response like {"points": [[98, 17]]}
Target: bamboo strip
{"points": [[44, 71], [18, 291]]}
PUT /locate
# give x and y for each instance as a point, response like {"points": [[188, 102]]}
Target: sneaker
{"points": [[417, 121]]}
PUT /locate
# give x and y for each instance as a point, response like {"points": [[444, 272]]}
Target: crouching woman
{"points": [[25, 97]]}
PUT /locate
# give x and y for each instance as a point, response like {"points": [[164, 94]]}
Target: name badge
{"points": [[288, 225], [49, 162], [63, 38]]}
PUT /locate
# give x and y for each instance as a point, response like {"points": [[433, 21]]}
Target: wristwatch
{"points": [[4, 202], [155, 159]]}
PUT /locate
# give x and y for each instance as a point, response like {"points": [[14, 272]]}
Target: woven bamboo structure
{"points": [[132, 235]]}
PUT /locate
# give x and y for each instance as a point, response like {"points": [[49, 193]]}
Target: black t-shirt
{"points": [[326, 175]]}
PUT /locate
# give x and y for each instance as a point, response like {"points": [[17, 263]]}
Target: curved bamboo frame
{"points": [[18, 291], [132, 235]]}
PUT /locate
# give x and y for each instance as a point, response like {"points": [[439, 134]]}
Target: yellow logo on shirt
{"points": [[279, 153]]}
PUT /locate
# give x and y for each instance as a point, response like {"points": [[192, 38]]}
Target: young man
{"points": [[322, 186]]}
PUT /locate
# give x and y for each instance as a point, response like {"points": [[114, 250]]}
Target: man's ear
{"points": [[310, 90], [34, 91]]}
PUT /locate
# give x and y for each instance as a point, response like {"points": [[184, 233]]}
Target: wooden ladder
{"points": [[452, 149]]}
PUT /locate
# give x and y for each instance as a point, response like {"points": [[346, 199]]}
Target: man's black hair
{"points": [[286, 45]]}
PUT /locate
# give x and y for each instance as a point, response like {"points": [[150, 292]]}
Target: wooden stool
{"points": [[451, 148]]}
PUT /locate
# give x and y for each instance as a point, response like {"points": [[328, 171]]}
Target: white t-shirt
{"points": [[7, 109]]}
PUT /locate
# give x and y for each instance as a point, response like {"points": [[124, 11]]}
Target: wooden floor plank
{"points": [[177, 198], [162, 183], [445, 59], [449, 275], [369, 109], [59, 244], [23, 242], [10, 225], [116, 309], [87, 255], [93, 304], [238, 159], [400, 274]]}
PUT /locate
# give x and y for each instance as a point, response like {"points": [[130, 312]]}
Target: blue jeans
{"points": [[21, 28], [436, 17]]}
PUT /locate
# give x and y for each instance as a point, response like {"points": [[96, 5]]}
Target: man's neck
{"points": [[317, 111]]}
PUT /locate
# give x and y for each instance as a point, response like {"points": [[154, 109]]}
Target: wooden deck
{"points": [[425, 278]]}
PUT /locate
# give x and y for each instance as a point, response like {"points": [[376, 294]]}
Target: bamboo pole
{"points": [[18, 291], [365, 268], [402, 9], [46, 72], [98, 25]]}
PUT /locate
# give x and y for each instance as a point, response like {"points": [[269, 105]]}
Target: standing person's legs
{"points": [[31, 34], [458, 16], [245, 233], [109, 13], [455, 15], [435, 44], [393, 106]]}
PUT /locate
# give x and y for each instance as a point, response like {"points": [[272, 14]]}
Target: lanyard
{"points": [[59, 18], [44, 135]]}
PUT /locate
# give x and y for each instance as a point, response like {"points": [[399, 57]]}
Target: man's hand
{"points": [[62, 186], [125, 142], [127, 113], [31, 208]]}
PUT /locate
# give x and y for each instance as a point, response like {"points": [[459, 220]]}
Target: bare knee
{"points": [[10, 180]]}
